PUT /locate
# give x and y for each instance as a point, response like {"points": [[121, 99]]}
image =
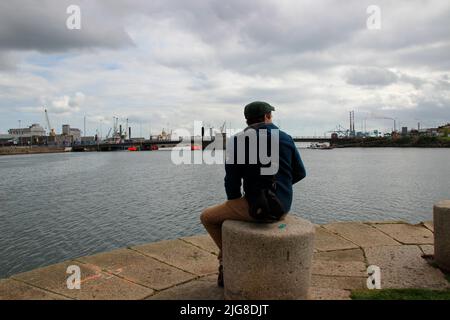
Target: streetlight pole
{"points": [[20, 132]]}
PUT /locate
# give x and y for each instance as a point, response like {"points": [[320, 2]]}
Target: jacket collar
{"points": [[261, 125]]}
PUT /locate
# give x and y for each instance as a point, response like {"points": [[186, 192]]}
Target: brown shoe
{"points": [[220, 277]]}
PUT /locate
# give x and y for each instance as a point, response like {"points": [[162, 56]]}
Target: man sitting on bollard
{"points": [[266, 162]]}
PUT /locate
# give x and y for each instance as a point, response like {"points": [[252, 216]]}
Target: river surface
{"points": [[55, 207]]}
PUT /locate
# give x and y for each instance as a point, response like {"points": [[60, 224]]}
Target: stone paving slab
{"points": [[404, 267], [95, 285], [429, 225], [385, 222], [201, 289], [361, 234], [328, 294], [343, 283], [203, 241], [328, 241], [181, 255], [341, 255], [15, 290], [427, 249], [407, 233], [339, 263], [137, 268]]}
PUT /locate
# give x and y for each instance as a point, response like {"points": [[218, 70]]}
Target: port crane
{"points": [[340, 131], [222, 128], [52, 132], [109, 132]]}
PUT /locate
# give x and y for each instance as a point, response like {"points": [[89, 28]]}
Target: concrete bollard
{"points": [[267, 261], [441, 221]]}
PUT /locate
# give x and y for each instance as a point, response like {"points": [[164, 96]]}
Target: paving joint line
{"points": [[159, 260], [40, 288], [401, 243], [196, 246], [108, 272], [180, 284]]}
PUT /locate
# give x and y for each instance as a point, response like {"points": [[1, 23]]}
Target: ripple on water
{"points": [[61, 206]]}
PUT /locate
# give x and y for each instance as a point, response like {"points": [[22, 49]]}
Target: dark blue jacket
{"points": [[291, 170]]}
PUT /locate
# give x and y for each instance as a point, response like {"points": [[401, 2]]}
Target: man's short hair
{"points": [[258, 119]]}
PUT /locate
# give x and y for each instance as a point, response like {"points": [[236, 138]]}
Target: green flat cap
{"points": [[257, 109]]}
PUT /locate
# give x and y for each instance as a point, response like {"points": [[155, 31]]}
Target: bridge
{"points": [[147, 144], [143, 145], [312, 139]]}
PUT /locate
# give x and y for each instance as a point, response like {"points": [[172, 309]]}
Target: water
{"points": [[56, 207]]}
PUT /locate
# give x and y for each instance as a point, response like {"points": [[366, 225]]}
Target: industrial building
{"points": [[74, 132], [33, 135], [34, 130], [68, 137], [36, 135]]}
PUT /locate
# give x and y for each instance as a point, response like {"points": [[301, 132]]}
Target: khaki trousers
{"points": [[213, 217]]}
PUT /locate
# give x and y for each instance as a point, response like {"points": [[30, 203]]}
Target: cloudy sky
{"points": [[164, 63]]}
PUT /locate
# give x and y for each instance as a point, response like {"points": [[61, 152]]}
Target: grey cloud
{"points": [[273, 95], [246, 35], [435, 56], [41, 26], [7, 62], [415, 25], [257, 36], [439, 85], [415, 81], [263, 36], [443, 84], [370, 76], [201, 82], [430, 112], [64, 104]]}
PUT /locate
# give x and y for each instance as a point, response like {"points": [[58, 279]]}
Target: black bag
{"points": [[264, 205]]}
